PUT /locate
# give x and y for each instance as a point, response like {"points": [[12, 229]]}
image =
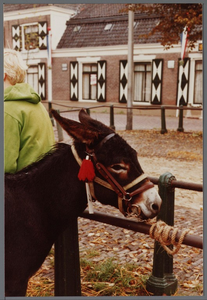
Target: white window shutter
{"points": [[101, 82], [16, 37], [74, 80], [42, 35], [156, 93], [42, 80], [183, 82], [123, 74]]}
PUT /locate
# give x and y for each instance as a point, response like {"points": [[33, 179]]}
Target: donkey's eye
{"points": [[119, 167]]}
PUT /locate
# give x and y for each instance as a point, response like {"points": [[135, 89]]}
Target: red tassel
{"points": [[86, 172]]}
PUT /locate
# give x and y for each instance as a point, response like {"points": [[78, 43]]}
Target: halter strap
{"points": [[103, 182], [113, 185], [104, 140], [96, 179]]}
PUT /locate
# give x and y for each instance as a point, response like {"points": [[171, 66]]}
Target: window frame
{"points": [[91, 72], [22, 26], [143, 92], [198, 61]]}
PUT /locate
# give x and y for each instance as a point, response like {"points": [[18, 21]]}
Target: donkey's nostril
{"points": [[155, 207]]}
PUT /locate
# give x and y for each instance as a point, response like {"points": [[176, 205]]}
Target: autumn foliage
{"points": [[174, 18]]}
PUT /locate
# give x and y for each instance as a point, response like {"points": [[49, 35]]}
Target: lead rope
{"points": [[166, 235]]}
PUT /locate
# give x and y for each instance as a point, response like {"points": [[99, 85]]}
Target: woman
{"points": [[28, 131]]}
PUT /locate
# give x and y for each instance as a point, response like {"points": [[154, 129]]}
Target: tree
{"points": [[174, 19]]}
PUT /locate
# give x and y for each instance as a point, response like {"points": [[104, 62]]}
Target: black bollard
{"points": [[163, 123], [112, 117], [180, 124]]}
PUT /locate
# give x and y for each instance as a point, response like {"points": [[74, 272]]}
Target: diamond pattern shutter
{"points": [[16, 37], [101, 82], [42, 35], [156, 94], [183, 82], [42, 80], [74, 80], [123, 74]]}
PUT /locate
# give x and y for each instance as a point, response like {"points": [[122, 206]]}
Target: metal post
{"points": [[59, 130], [180, 124], [112, 117], [163, 281], [49, 72], [163, 123], [67, 265], [130, 69]]}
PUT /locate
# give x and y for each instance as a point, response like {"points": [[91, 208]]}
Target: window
{"points": [[108, 27], [30, 36], [198, 84], [89, 81], [142, 82], [32, 77], [77, 29]]}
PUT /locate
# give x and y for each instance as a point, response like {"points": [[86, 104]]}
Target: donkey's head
{"points": [[116, 166]]}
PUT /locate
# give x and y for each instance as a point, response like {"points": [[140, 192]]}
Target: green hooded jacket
{"points": [[28, 132]]}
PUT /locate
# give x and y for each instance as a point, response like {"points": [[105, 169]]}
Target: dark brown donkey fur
{"points": [[42, 199]]}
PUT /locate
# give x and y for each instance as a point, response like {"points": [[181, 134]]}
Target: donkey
{"points": [[43, 198]]}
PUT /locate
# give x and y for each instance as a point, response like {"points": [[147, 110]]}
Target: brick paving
{"points": [[127, 246]]}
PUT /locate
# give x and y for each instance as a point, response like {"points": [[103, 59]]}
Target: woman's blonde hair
{"points": [[14, 66]]}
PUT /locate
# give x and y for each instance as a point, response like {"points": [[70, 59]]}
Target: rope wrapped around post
{"points": [[167, 235]]}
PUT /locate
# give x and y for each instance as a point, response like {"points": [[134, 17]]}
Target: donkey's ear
{"points": [[86, 120], [76, 130]]}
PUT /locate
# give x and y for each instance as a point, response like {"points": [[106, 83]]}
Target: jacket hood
{"points": [[21, 92]]}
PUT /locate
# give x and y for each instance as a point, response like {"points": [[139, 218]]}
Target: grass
{"points": [[104, 278], [109, 278]]}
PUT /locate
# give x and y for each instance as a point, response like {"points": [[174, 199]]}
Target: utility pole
{"points": [[130, 89], [49, 71]]}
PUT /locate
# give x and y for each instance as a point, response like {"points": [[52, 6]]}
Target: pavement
{"points": [[140, 122]]}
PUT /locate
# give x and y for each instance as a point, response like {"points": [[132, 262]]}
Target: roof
{"points": [[88, 27], [14, 7]]}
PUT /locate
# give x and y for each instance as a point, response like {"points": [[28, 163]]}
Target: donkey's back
{"points": [[39, 203]]}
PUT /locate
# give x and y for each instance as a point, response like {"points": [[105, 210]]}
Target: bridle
{"points": [[111, 183]]}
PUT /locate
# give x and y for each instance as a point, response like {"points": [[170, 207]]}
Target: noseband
{"points": [[123, 196]]}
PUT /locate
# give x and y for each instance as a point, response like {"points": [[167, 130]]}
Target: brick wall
{"points": [[170, 77], [61, 79]]}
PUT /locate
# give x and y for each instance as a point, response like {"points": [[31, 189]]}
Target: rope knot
{"points": [[167, 235]]}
